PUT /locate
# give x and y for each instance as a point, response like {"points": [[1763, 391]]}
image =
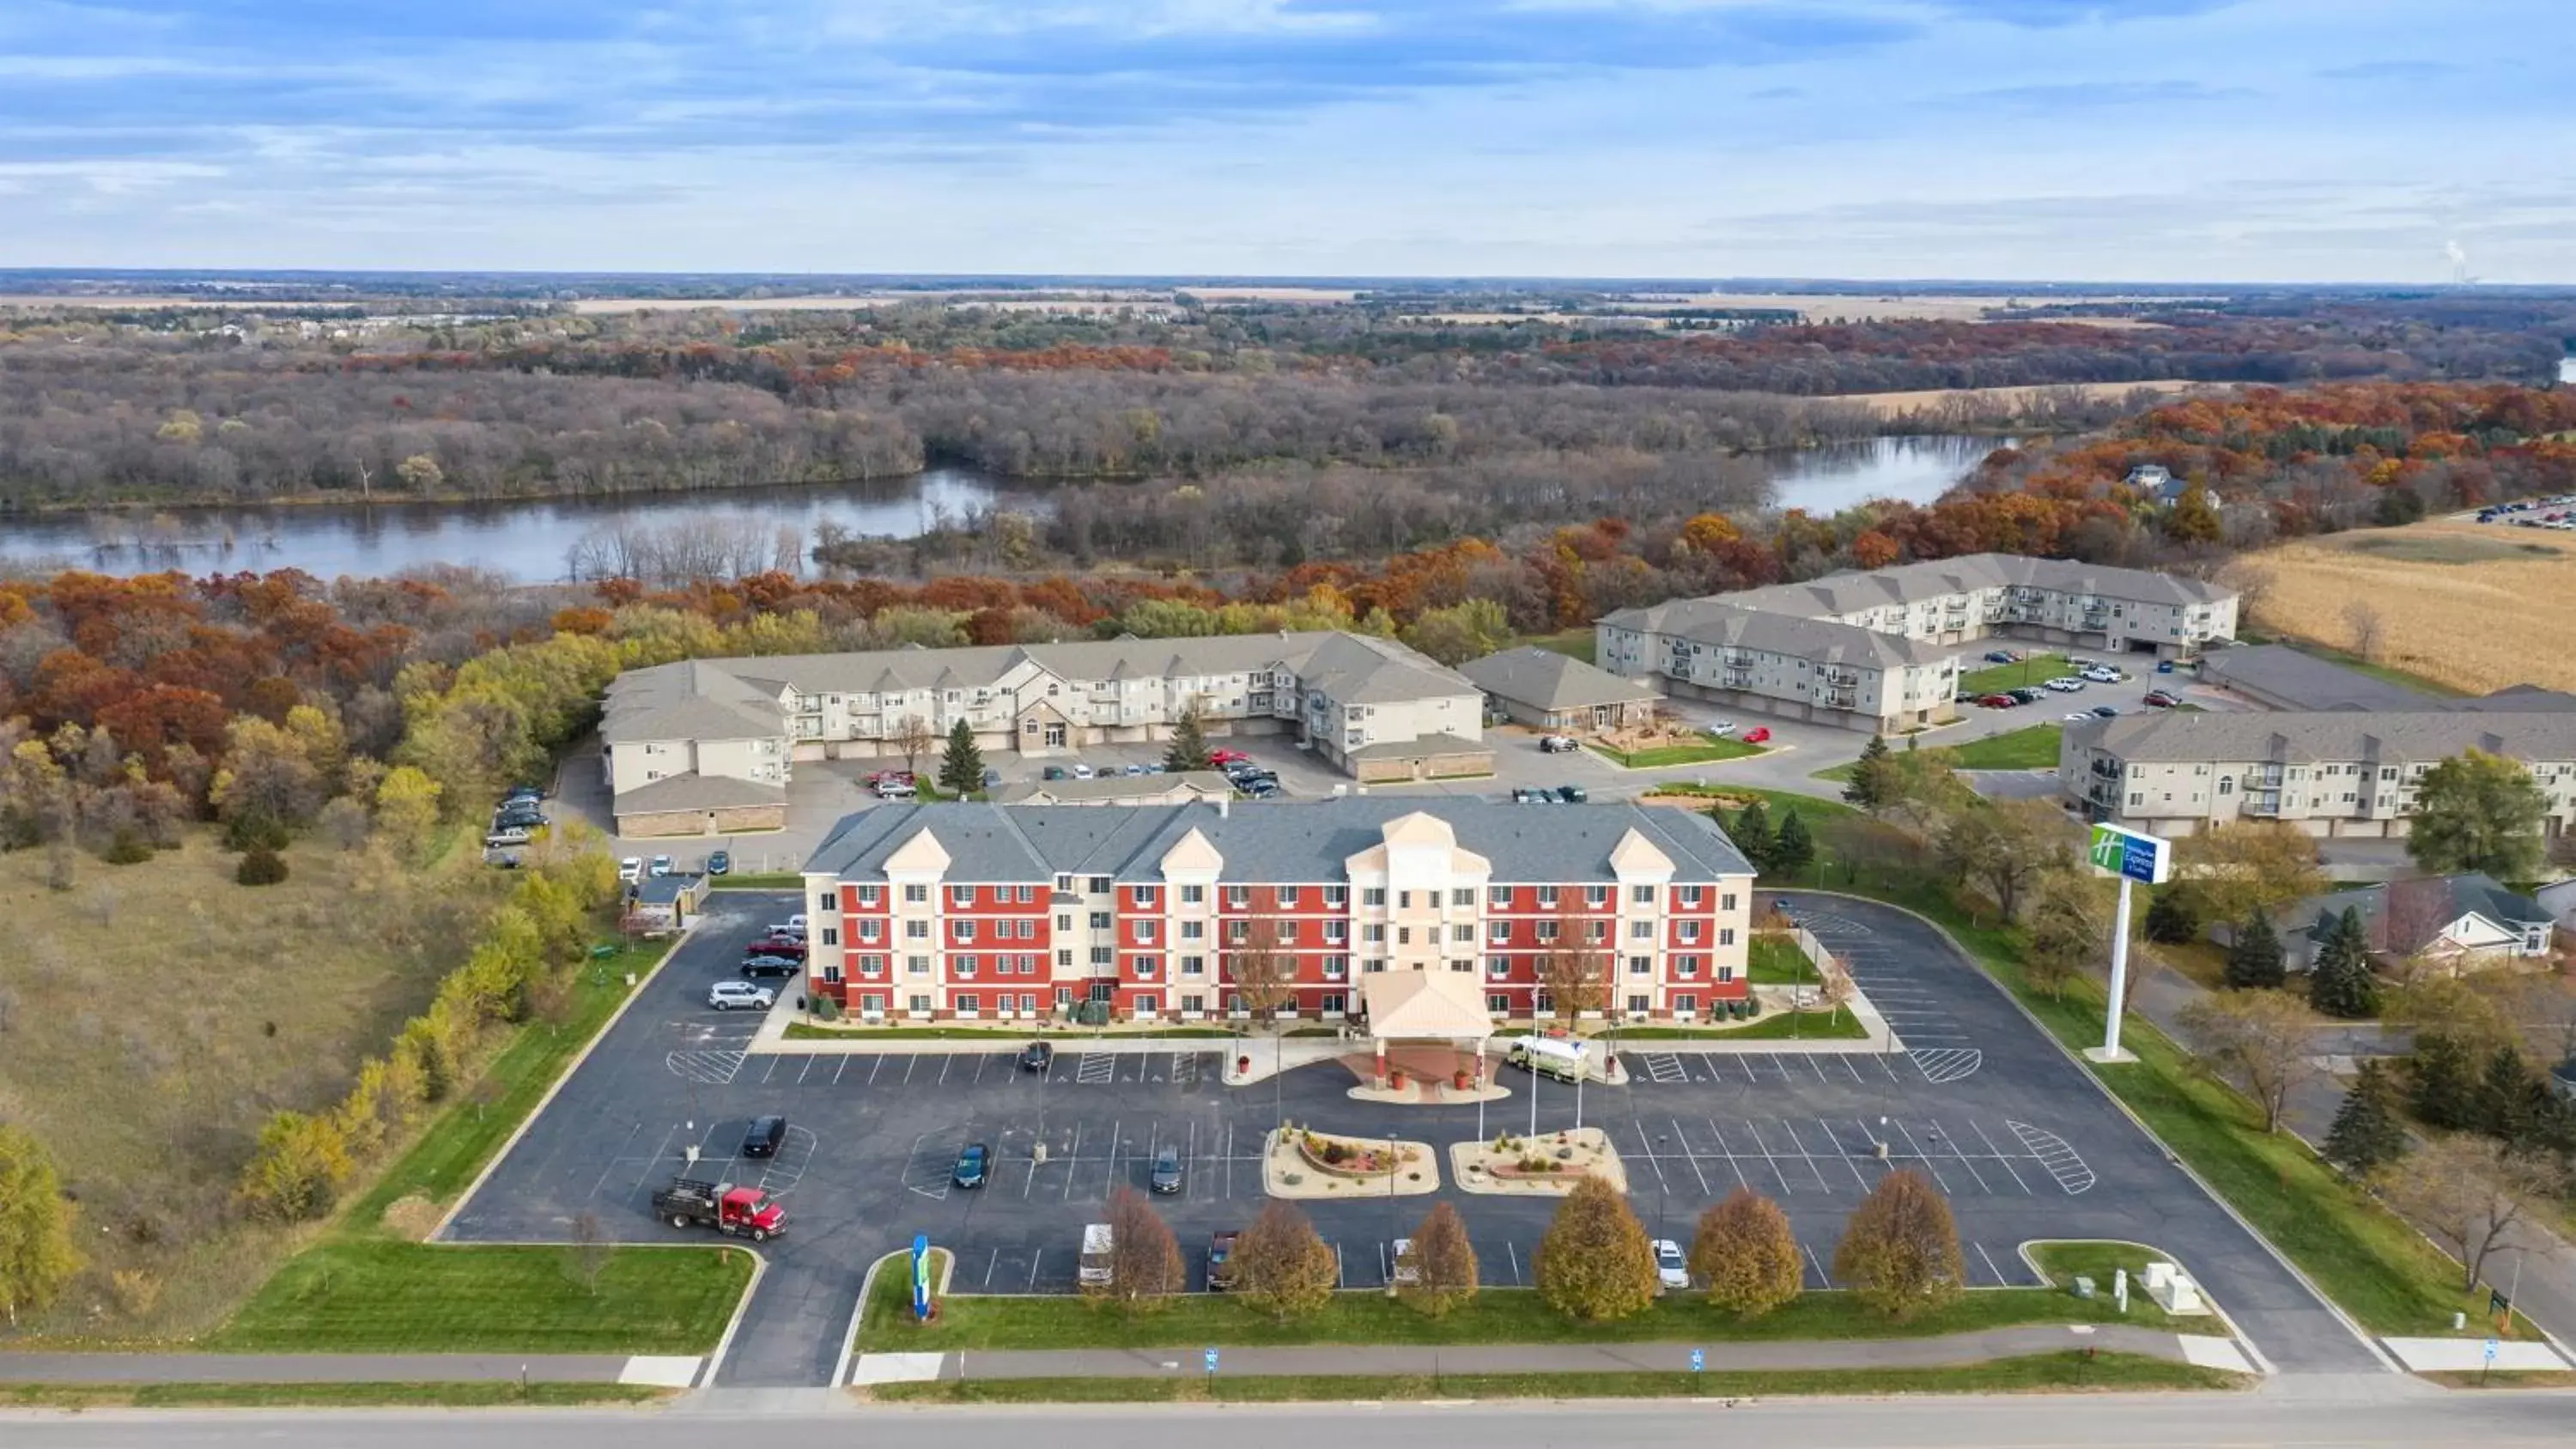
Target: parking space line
{"points": [[1823, 1278], [1818, 1065], [1774, 1162], [908, 1064], [1653, 1158], [945, 1061], [1792, 1130], [1033, 1269], [2000, 1279], [1998, 1155], [616, 1158], [1514, 1254], [1939, 1134], [810, 1059], [1692, 1158], [1845, 1156], [1740, 1179], [994, 1262], [1884, 1067], [1925, 1156], [875, 1067], [1116, 1136], [660, 1152], [1846, 1060], [1072, 1161], [842, 1067]]}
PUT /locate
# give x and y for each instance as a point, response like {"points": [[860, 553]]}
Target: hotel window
{"points": [[1100, 920], [966, 965], [1725, 974], [1147, 1003], [872, 965], [1726, 902], [1498, 967], [1498, 1004], [1064, 883], [1373, 933], [1685, 965], [1140, 965], [1064, 920], [1463, 896], [1373, 896], [1596, 895], [1103, 956], [965, 931], [1064, 960], [870, 931], [1336, 967], [1239, 897], [1498, 896], [1337, 896], [1287, 898], [1641, 930], [1690, 932], [1023, 895], [1596, 932], [961, 895], [1194, 965], [916, 930], [918, 1002], [869, 895], [1643, 895], [1146, 899], [916, 965], [1193, 895], [1640, 1004], [1336, 932], [1463, 931], [1193, 930], [1547, 898], [1692, 895], [1641, 965], [1099, 885], [1238, 932], [1144, 933], [916, 895], [1546, 932], [1498, 931], [1287, 932]]}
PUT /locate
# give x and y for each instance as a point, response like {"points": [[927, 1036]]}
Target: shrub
{"points": [[298, 1169], [1747, 1254], [128, 848], [1900, 1250], [260, 865], [1594, 1264]]}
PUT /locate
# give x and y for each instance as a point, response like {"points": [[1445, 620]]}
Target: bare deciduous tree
{"points": [[2471, 1193], [2362, 621], [1262, 973], [914, 738], [2256, 1040]]}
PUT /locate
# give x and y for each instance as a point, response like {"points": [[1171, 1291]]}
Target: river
{"points": [[528, 540]]}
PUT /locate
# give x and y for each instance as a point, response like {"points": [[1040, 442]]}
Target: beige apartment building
{"points": [[1374, 708], [1880, 651], [2336, 773]]}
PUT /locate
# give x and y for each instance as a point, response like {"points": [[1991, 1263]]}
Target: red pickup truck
{"points": [[740, 1212]]}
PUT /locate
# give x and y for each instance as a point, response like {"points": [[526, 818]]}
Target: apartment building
{"points": [[2333, 773], [1880, 651], [991, 912], [1374, 708]]}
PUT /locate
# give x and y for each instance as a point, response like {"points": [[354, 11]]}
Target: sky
{"points": [[2097, 140]]}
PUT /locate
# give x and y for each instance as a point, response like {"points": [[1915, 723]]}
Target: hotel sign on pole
{"points": [[2146, 859]]}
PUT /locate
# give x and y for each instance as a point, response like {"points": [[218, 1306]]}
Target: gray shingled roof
{"points": [[1213, 783], [1726, 624], [2445, 899], [693, 699], [1544, 679], [1420, 747], [2305, 681], [2291, 738], [698, 792], [1283, 841], [1851, 592]]}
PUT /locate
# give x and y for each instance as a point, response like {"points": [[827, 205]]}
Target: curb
{"points": [[741, 1309], [512, 1141], [867, 1290], [2262, 1365], [2350, 1324]]}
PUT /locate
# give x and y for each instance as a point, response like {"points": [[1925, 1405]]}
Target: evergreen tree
{"points": [[2254, 959], [2503, 1102], [1867, 789], [961, 769], [2442, 1082], [1189, 747], [2342, 984], [2173, 918], [2367, 1134], [1793, 850], [1751, 832]]}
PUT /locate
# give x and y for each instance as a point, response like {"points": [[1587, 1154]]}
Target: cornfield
{"points": [[2474, 606]]}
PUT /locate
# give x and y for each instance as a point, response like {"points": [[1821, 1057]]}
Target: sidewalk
{"points": [[1567, 1358], [2546, 1292], [344, 1368]]}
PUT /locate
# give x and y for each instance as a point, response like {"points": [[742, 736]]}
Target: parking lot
{"points": [[2011, 1132]]}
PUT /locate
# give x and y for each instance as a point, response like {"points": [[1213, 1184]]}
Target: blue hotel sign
{"points": [[2146, 859]]}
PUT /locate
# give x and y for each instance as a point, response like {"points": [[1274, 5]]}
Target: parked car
{"points": [[777, 966], [1223, 758], [2104, 676], [526, 819], [2027, 694], [1036, 1056], [1132, 770], [875, 778], [2066, 684], [1672, 1270], [991, 777], [898, 790], [1557, 744], [505, 837], [1166, 1174], [1055, 772], [631, 869], [1526, 796], [766, 1136], [1997, 701], [1402, 1269], [661, 866], [1722, 728], [971, 1160], [2002, 656], [1572, 794], [2105, 711], [792, 926], [1083, 772], [2079, 717], [726, 995], [2158, 699], [1220, 1275], [791, 947], [720, 863], [1262, 790]]}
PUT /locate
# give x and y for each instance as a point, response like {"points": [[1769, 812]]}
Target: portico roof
{"points": [[1426, 1005]]}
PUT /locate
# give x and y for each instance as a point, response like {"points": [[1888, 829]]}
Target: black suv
{"points": [[778, 966], [766, 1136], [1035, 1056]]}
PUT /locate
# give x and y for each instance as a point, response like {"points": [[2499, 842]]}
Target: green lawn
{"points": [[1710, 747], [1497, 1315], [2379, 1269], [998, 1034], [380, 1296], [2032, 747], [361, 1287], [1995, 678], [1777, 961], [2038, 1373], [1575, 643], [504, 1393], [2064, 1262], [752, 880]]}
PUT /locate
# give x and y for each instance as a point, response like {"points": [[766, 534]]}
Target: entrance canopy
{"points": [[1430, 1005]]}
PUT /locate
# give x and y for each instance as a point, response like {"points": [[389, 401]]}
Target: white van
{"points": [[1097, 1240], [1563, 1060]]}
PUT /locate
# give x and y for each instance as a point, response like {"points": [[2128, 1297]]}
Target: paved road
{"points": [[2367, 1415]]}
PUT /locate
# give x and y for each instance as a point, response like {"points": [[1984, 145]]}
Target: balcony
{"points": [[1737, 679], [1840, 699], [2265, 805], [2108, 769]]}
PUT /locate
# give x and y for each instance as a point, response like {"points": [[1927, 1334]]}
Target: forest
{"points": [[104, 406]]}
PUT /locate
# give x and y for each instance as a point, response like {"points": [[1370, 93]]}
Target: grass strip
{"points": [[1839, 1025], [976, 1322], [2031, 672], [2369, 1261], [1775, 960], [1710, 747], [2032, 747], [358, 1295], [2064, 1372], [1824, 806], [470, 1395], [1001, 1034], [774, 880]]}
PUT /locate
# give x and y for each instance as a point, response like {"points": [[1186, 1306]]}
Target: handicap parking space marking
{"points": [[1096, 1069], [706, 1068], [1663, 1066], [787, 1168], [942, 1171], [1947, 1064], [2061, 1160]]}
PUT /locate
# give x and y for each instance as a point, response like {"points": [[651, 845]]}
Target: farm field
{"points": [[153, 1015], [2472, 606]]}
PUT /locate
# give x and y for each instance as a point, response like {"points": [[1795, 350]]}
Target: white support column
{"points": [[2109, 1050]]}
